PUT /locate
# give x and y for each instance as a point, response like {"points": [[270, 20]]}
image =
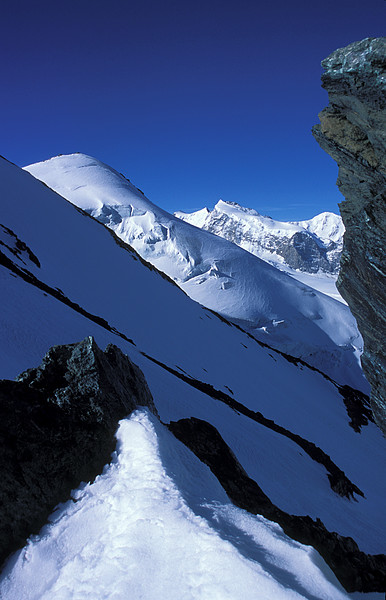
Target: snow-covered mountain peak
{"points": [[299, 247], [233, 208], [327, 226], [199, 217], [92, 191], [211, 270]]}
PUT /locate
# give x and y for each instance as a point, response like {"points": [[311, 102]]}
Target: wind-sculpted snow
{"points": [[216, 273], [91, 283]]}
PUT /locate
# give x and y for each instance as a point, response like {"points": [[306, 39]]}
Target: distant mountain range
{"points": [[312, 246], [299, 247]]}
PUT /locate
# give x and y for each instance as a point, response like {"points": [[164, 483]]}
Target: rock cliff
{"points": [[352, 130], [57, 426]]}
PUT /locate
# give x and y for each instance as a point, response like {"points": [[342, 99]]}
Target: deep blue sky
{"points": [[192, 100]]}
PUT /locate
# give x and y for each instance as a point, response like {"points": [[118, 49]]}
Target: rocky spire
{"points": [[57, 427]]}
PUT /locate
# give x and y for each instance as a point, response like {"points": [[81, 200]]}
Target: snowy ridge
{"points": [[150, 508], [137, 496], [213, 271]]}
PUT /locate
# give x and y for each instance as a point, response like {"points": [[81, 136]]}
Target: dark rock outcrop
{"points": [[17, 248], [355, 570], [353, 131], [303, 253], [57, 426]]}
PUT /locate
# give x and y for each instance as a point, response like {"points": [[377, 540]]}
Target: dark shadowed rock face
{"points": [[353, 131], [302, 252], [57, 426]]}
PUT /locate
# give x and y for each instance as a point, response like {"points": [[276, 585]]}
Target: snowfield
{"points": [[216, 273], [157, 523]]}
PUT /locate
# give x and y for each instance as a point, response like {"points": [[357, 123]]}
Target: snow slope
{"points": [[136, 512], [270, 240], [99, 279], [213, 271]]}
